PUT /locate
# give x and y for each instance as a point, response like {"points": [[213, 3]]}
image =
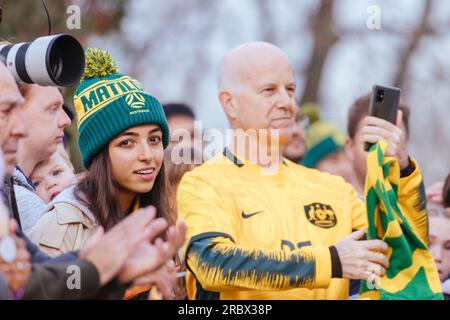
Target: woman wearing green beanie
{"points": [[122, 136]]}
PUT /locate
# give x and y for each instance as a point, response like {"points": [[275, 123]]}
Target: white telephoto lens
{"points": [[36, 61]]}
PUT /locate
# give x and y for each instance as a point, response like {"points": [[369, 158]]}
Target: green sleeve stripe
{"points": [[202, 294], [255, 268]]}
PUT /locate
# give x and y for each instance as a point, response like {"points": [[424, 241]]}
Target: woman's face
{"points": [[440, 244], [136, 156]]}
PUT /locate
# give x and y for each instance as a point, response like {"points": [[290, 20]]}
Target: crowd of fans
{"points": [[137, 224]]}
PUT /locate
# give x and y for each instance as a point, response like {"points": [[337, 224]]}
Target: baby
{"points": [[53, 175]]}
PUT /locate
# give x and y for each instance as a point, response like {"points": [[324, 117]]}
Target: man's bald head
{"points": [[257, 89], [243, 59]]}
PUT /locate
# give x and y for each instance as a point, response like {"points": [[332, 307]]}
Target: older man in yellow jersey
{"points": [[261, 226]]}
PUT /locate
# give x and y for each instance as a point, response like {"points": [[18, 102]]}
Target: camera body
{"points": [[56, 60]]}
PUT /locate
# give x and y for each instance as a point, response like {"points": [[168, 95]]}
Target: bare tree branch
{"points": [[324, 38], [422, 29], [268, 31]]}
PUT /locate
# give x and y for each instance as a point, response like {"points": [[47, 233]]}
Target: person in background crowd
{"points": [[354, 149], [179, 116], [45, 121], [50, 177], [295, 148], [325, 150], [434, 193], [354, 146], [174, 173], [440, 236]]}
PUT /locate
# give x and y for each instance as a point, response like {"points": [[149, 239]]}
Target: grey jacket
{"points": [[30, 206]]}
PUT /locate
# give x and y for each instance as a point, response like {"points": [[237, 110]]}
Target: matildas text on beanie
{"points": [[108, 103]]}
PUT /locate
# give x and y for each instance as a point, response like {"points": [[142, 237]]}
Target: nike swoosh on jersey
{"points": [[248, 215]]}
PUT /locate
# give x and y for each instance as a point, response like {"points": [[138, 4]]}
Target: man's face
{"points": [[45, 120], [295, 148], [180, 122], [266, 96], [356, 153], [337, 163], [11, 118]]}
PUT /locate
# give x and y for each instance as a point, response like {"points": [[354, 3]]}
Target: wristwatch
{"points": [[8, 250]]}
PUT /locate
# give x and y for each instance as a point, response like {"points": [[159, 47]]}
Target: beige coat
{"points": [[64, 228]]}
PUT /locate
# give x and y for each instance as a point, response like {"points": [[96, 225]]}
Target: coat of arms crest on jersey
{"points": [[321, 215]]}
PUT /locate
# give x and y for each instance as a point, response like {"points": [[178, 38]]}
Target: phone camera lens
{"points": [[380, 95]]}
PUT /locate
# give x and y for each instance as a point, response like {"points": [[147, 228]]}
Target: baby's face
{"points": [[53, 177]]}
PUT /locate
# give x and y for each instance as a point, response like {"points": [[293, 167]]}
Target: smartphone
{"points": [[383, 104]]}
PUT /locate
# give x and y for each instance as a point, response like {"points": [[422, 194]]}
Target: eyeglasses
{"points": [[302, 121]]}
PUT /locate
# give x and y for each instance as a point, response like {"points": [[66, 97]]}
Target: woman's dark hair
{"points": [[446, 192], [178, 109], [98, 192]]}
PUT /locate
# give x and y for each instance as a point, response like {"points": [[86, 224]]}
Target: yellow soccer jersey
{"points": [[257, 236]]}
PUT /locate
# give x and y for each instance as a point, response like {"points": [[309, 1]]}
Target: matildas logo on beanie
{"points": [[108, 103]]}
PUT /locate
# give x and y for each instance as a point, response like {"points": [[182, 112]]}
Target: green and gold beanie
{"points": [[108, 103], [322, 139]]}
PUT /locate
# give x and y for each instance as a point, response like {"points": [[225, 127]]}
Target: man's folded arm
{"points": [[218, 264]]}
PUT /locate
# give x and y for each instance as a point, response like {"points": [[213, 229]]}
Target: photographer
{"points": [[45, 120]]}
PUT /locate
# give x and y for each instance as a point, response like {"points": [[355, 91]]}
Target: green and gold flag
{"points": [[412, 272]]}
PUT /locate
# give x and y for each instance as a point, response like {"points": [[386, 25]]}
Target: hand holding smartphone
{"points": [[384, 105]]}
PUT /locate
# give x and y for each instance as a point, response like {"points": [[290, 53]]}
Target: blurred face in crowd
{"points": [[136, 158], [337, 163], [180, 122], [258, 89], [440, 240], [295, 148], [52, 176], [45, 120], [357, 156], [12, 126]]}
